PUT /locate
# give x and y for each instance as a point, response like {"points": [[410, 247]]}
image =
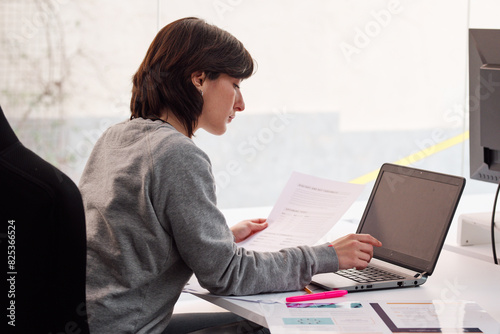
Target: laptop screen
{"points": [[410, 212]]}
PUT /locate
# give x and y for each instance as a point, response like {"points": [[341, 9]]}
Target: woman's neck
{"points": [[170, 118]]}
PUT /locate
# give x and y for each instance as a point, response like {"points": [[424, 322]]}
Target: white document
{"points": [[325, 316], [436, 316], [307, 209], [341, 316], [193, 287]]}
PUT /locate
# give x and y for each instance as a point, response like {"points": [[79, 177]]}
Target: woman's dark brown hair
{"points": [[163, 80]]}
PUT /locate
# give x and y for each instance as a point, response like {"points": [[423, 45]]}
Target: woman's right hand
{"points": [[355, 250]]}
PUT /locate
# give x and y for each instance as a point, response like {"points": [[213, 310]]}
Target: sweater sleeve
{"points": [[205, 243]]}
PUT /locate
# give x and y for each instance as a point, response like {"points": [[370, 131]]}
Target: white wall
{"points": [[483, 14]]}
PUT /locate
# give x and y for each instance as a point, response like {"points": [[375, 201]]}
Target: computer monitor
{"points": [[484, 112], [484, 104]]}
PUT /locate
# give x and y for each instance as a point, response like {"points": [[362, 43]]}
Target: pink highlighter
{"points": [[314, 296]]}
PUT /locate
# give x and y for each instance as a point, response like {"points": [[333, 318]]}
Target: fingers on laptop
{"points": [[355, 250], [368, 239]]}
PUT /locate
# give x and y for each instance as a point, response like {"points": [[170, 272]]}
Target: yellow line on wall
{"points": [[416, 156]]}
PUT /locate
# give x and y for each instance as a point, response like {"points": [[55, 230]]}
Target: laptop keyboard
{"points": [[369, 274]]}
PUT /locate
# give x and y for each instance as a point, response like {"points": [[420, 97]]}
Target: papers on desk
{"points": [[348, 315], [380, 317], [193, 287], [307, 209]]}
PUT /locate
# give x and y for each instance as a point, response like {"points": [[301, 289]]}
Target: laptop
{"points": [[409, 211]]}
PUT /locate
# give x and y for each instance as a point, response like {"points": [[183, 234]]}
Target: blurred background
{"points": [[341, 87]]}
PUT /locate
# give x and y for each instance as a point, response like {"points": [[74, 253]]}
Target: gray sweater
{"points": [[152, 220]]}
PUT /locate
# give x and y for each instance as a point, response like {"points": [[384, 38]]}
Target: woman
{"points": [[149, 193]]}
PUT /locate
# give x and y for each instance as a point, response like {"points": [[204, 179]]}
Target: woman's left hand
{"points": [[246, 228]]}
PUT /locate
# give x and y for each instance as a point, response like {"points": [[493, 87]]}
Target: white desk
{"points": [[456, 277]]}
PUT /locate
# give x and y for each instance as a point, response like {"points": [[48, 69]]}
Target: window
{"points": [[341, 86]]}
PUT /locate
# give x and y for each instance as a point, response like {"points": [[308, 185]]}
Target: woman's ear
{"points": [[198, 78]]}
